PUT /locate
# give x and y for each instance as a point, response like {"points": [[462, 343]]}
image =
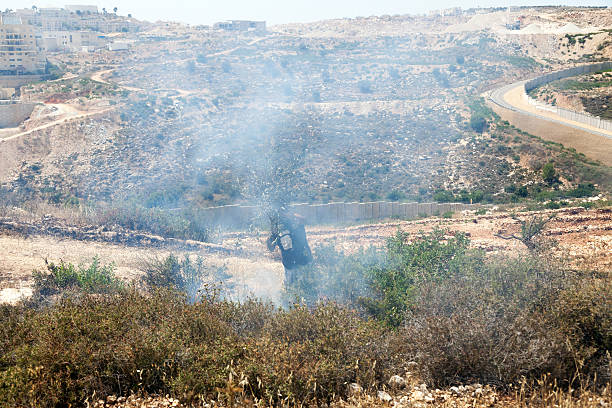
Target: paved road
{"points": [[510, 97]]}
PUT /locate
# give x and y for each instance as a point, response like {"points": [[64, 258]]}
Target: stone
{"points": [[455, 390], [355, 389], [384, 396], [397, 382], [417, 395]]}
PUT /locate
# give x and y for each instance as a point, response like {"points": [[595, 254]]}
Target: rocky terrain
{"points": [[369, 106], [402, 391]]}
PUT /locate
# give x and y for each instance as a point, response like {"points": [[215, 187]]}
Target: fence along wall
{"points": [[565, 113], [335, 213]]}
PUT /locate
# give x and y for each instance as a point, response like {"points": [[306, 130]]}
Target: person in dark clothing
{"points": [[289, 235]]}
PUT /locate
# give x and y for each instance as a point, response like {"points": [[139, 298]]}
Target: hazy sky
{"points": [[278, 11]]}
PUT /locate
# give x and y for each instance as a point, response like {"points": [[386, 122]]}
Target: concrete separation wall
{"points": [[565, 113], [13, 114], [335, 213]]}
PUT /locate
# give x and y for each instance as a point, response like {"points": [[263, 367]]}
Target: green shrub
{"points": [[95, 278], [478, 123], [583, 190], [512, 318], [429, 257], [549, 173], [444, 196]]}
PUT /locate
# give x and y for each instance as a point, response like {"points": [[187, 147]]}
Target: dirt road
{"points": [[68, 113]]}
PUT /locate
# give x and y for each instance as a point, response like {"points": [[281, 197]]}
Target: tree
{"points": [[478, 123], [104, 10], [115, 10], [531, 233], [549, 173]]}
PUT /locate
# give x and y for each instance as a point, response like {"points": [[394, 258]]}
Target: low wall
{"points": [[335, 213], [565, 113], [13, 114]]}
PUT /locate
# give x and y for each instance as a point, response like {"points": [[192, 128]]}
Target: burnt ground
{"points": [[584, 237]]}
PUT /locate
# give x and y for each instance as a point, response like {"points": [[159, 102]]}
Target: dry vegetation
{"points": [[432, 309]]}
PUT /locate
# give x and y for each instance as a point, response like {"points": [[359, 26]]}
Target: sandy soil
{"points": [[584, 236]]}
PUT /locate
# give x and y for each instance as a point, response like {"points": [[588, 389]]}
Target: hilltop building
{"points": [[241, 25], [81, 9], [18, 51], [75, 18], [75, 41]]}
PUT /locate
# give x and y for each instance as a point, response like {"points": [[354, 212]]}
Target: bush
{"points": [[430, 257], [163, 344], [583, 190], [478, 123], [95, 278], [190, 277], [187, 224], [333, 276], [549, 174], [444, 196], [396, 195], [508, 319]]}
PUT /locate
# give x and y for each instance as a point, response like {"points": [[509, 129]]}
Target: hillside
{"points": [[382, 109]]}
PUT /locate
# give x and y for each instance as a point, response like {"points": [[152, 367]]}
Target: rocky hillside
{"points": [[358, 109]]}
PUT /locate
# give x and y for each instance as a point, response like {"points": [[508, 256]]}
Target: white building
{"points": [[118, 46], [241, 25], [72, 41], [18, 51]]}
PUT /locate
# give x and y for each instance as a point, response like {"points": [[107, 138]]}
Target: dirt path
{"points": [[71, 114], [231, 50], [98, 77]]}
